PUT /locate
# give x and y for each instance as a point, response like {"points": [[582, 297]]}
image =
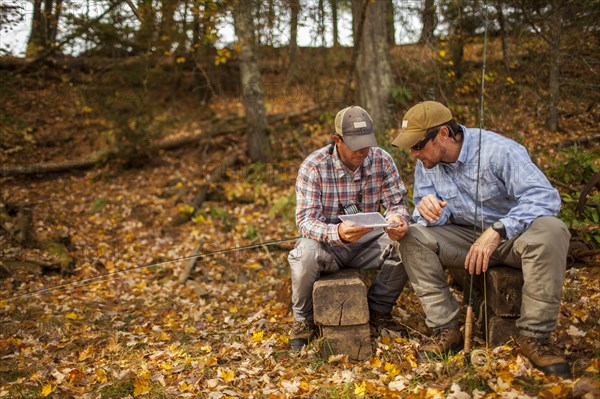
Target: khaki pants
{"points": [[540, 252], [309, 259]]}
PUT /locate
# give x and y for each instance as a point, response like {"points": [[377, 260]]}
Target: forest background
{"points": [[135, 137]]}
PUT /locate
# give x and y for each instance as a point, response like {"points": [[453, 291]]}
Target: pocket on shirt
{"points": [[449, 194], [489, 191]]}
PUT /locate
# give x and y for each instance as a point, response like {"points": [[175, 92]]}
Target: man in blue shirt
{"points": [[480, 202]]}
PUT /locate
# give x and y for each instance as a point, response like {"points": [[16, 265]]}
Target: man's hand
{"points": [[430, 207], [349, 232], [396, 233], [479, 255]]}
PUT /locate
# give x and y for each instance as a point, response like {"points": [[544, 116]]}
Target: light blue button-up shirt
{"points": [[512, 188]]}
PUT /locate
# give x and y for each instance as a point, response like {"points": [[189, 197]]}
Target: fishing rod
{"points": [[478, 357], [109, 276]]}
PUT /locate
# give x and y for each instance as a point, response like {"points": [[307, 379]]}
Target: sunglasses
{"points": [[421, 144]]}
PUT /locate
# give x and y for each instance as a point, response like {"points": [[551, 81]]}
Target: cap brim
{"points": [[408, 138], [359, 142]]}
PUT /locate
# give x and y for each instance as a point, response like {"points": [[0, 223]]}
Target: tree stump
{"points": [[341, 309], [503, 287], [504, 293]]}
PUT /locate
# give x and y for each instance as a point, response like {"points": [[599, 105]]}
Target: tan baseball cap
{"points": [[355, 126], [418, 119]]}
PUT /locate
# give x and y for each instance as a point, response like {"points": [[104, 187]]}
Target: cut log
{"points": [[341, 308]]}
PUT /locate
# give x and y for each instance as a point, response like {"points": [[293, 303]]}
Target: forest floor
{"points": [[120, 325]]}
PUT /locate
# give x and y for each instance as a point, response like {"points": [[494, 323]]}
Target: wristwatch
{"points": [[498, 226]]}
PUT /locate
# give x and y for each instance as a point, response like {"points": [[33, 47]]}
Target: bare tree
{"points": [[428, 18], [373, 71], [44, 26], [502, 30], [294, 11], [334, 20], [259, 146], [389, 22]]}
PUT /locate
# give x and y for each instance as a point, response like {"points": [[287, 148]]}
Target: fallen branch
{"points": [[217, 175], [226, 126], [580, 140], [185, 274]]}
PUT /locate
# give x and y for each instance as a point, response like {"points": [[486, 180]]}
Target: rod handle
{"points": [[468, 329]]}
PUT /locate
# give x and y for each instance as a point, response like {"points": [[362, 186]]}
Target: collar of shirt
{"points": [[341, 170], [465, 150]]}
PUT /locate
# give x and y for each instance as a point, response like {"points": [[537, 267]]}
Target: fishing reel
{"points": [[480, 358]]}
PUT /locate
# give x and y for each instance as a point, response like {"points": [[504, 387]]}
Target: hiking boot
{"points": [[444, 341], [544, 357], [384, 324], [301, 333]]}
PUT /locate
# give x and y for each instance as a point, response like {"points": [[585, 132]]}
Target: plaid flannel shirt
{"points": [[512, 188], [323, 181]]}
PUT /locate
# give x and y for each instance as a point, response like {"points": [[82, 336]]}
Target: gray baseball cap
{"points": [[355, 126]]}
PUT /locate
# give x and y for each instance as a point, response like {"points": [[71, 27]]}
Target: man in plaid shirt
{"points": [[348, 176]]}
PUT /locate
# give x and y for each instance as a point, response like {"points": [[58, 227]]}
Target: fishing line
{"points": [[469, 316], [109, 276]]}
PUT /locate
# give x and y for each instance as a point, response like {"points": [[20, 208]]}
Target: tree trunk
{"points": [[44, 26], [556, 20], [53, 18], [428, 18], [321, 22], [167, 31], [270, 23], [294, 11], [259, 146], [144, 36], [373, 70], [334, 21], [457, 37], [503, 35], [35, 43], [389, 22]]}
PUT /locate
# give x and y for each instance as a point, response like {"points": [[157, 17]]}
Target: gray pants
{"points": [[540, 252], [309, 259]]}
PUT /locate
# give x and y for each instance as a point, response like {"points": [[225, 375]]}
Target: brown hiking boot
{"points": [[544, 357], [384, 324], [444, 341], [301, 333]]}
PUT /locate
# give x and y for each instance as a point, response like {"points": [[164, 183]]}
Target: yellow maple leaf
{"points": [[226, 375], [46, 390], [141, 385], [375, 362], [593, 367], [254, 265], [360, 390], [556, 391], [212, 361], [392, 370], [257, 336], [100, 376], [183, 387], [434, 393], [166, 366], [86, 354], [72, 316], [284, 339], [164, 337]]}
